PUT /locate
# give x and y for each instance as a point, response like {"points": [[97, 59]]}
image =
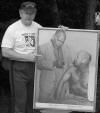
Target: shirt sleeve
{"points": [[8, 38], [39, 26]]}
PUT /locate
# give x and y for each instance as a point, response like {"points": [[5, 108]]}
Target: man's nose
{"points": [[29, 16]]}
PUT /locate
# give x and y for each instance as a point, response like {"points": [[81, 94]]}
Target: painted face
{"points": [[27, 18], [82, 59], [60, 39]]}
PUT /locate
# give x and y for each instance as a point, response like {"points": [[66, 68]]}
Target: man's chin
{"points": [[28, 23]]}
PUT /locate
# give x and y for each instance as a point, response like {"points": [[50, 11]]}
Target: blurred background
{"points": [[77, 14]]}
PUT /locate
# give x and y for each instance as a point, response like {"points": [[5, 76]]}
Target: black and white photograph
{"points": [[49, 56], [65, 76]]}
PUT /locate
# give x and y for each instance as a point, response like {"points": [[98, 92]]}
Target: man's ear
{"points": [[20, 13]]}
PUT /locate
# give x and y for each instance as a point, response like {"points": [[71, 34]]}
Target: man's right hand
{"points": [[33, 57]]}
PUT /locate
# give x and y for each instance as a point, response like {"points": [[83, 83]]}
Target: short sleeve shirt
{"points": [[21, 38]]}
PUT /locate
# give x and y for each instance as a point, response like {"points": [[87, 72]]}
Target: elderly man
{"points": [[52, 64], [18, 44], [56, 58], [79, 77]]}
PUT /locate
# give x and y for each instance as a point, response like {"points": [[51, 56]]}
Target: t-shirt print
{"points": [[29, 39]]}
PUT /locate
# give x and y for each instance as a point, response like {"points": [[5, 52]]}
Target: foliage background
{"points": [[77, 14]]}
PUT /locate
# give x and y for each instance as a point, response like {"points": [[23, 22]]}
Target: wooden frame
{"points": [[76, 40]]}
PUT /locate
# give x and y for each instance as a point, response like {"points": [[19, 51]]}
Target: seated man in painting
{"points": [[78, 80]]}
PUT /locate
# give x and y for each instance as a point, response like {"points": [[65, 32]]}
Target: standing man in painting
{"points": [[56, 58], [18, 44]]}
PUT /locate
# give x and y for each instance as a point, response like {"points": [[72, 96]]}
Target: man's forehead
{"points": [[83, 56], [29, 11], [60, 35]]}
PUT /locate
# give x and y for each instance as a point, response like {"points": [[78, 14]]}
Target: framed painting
{"points": [[66, 70]]}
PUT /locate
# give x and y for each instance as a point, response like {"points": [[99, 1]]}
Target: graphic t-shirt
{"points": [[21, 38]]}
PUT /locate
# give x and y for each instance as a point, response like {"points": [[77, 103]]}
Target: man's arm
{"points": [[64, 79], [81, 89], [13, 55], [42, 62]]}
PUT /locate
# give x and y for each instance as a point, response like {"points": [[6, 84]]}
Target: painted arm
{"points": [[42, 62], [82, 89], [64, 80]]}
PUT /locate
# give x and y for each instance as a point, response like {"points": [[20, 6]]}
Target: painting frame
{"points": [[86, 36]]}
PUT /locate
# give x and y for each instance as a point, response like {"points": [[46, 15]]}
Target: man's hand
{"points": [[63, 27], [33, 57]]}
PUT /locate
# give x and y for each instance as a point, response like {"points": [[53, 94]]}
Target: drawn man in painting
{"points": [[77, 81], [56, 58]]}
